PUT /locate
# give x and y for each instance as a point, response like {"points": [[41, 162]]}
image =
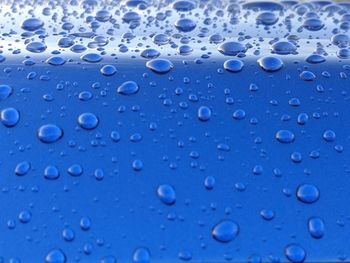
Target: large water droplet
{"points": [[295, 253], [308, 193], [50, 133], [128, 88], [159, 65], [88, 121], [9, 117], [231, 48], [166, 194], [269, 63], [55, 256], [225, 231], [32, 24]]}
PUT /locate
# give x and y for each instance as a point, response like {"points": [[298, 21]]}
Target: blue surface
{"points": [[191, 161]]}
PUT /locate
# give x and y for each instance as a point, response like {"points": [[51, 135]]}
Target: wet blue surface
{"points": [[236, 152]]}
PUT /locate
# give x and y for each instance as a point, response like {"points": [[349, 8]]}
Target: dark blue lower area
{"points": [[253, 171]]}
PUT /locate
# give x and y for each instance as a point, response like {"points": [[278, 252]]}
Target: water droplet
{"points": [[185, 24], [36, 47], [166, 194], [137, 165], [238, 114], [5, 92], [307, 75], [141, 255], [9, 117], [316, 227], [108, 70], [231, 48], [32, 24], [25, 216], [85, 223], [285, 136], [150, 53], [225, 231], [295, 253], [75, 170], [68, 234], [267, 18], [267, 214], [160, 66], [269, 63], [315, 59], [49, 133], [204, 113], [308, 193], [91, 57], [233, 65], [128, 88], [313, 24], [55, 256], [184, 5], [51, 172], [283, 48], [56, 61], [22, 168], [329, 136], [88, 121]]}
